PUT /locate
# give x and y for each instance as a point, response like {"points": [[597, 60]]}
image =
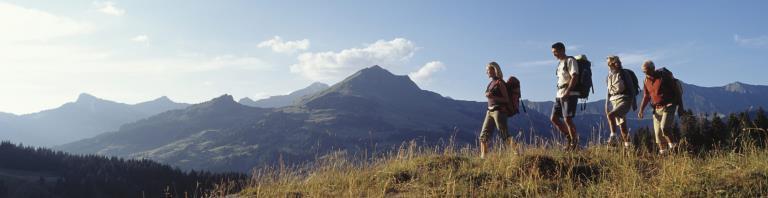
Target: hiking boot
{"points": [[613, 141], [574, 147]]}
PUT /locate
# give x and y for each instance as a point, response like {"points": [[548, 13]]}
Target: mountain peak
{"points": [[222, 102], [318, 85], [85, 97], [163, 99], [245, 100], [226, 98], [375, 69], [737, 87], [375, 83], [311, 89]]}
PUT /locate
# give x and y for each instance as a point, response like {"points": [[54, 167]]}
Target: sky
{"points": [[193, 51]]}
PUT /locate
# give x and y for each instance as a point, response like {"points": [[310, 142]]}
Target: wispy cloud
{"points": [[25, 24], [143, 39], [425, 73], [109, 8], [330, 65], [537, 63], [278, 45], [635, 58], [760, 41]]}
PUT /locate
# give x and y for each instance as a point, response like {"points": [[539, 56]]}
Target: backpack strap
{"points": [[503, 87]]}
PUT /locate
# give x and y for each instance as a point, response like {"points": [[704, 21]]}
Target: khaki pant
{"points": [[494, 118], [663, 119]]}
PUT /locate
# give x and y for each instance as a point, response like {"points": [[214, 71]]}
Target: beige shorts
{"points": [[663, 121], [620, 108]]}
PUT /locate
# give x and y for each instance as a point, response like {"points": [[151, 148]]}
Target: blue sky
{"points": [[192, 51]]}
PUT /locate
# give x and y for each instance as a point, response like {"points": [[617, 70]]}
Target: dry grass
{"points": [[598, 171]]}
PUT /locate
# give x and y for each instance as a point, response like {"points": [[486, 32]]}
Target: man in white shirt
{"points": [[567, 97]]}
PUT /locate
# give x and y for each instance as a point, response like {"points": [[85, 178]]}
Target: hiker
{"points": [[497, 112], [663, 91], [567, 97], [621, 95]]}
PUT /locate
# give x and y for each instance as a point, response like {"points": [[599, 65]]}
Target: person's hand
{"points": [[640, 114]]}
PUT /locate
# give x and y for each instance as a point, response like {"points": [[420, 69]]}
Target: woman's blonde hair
{"points": [[614, 59], [497, 68]]}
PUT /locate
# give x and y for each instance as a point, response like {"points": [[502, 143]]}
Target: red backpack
{"points": [[513, 90]]}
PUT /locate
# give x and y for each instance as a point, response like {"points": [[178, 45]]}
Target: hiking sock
{"points": [[672, 145], [662, 151], [626, 144]]}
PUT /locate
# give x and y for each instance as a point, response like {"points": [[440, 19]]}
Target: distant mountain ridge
{"points": [[285, 100], [371, 110], [86, 117]]}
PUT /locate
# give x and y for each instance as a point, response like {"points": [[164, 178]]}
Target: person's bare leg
{"points": [[483, 149], [572, 132], [512, 146], [561, 127], [611, 127], [624, 133]]}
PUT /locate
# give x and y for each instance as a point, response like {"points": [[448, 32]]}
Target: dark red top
{"points": [[495, 87], [660, 88]]}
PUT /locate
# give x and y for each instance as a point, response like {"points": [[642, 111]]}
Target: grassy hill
{"points": [[540, 171]]}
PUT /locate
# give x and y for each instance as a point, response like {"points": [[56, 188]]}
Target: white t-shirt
{"points": [[564, 77], [615, 85]]}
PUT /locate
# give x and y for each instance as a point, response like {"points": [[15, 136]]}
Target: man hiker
{"points": [[663, 91], [497, 112], [620, 97], [567, 97]]}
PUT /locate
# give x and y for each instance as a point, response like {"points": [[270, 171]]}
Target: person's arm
{"points": [[646, 99], [500, 85], [574, 71], [607, 97], [608, 93]]}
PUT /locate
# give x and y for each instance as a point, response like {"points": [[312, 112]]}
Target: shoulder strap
{"points": [[503, 88]]}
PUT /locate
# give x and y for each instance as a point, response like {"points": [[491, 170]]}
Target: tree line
{"points": [[100, 176], [700, 134]]}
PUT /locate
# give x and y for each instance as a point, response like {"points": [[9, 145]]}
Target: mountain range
{"points": [[370, 111], [284, 100], [86, 117]]}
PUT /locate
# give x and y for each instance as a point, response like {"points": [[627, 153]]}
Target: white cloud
{"points": [[278, 45], [760, 41], [236, 62], [335, 65], [141, 39], [424, 74], [538, 63], [24, 24], [109, 8], [634, 59]]}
